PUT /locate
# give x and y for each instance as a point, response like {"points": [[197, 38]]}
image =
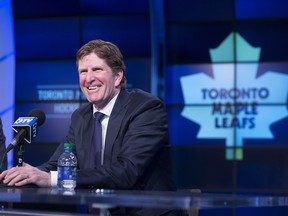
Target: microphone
{"points": [[26, 127]]}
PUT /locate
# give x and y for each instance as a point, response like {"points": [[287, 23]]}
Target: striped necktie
{"points": [[97, 140]]}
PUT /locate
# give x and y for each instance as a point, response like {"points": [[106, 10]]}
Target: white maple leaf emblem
{"points": [[235, 105]]}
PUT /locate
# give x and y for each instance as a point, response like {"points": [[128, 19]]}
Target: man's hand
{"points": [[25, 174]]}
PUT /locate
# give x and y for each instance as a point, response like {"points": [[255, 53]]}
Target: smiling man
{"points": [[135, 151]]}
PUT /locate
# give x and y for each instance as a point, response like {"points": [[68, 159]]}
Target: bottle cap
{"points": [[68, 146]]}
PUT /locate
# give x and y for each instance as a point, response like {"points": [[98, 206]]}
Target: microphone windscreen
{"points": [[39, 114]]}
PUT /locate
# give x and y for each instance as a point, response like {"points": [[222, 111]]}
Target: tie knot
{"points": [[99, 116]]}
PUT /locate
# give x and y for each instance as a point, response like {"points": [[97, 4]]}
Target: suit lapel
{"points": [[114, 123], [87, 129]]}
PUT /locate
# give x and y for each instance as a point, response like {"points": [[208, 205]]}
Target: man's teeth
{"points": [[92, 87]]}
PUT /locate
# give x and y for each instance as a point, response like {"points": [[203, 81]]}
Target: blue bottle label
{"points": [[67, 173]]}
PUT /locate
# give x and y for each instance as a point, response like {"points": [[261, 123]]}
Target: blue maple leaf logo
{"points": [[235, 102]]}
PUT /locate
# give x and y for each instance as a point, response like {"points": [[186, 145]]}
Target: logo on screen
{"points": [[235, 96]]}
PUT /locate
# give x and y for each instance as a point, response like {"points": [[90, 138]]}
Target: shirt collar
{"points": [[108, 108]]}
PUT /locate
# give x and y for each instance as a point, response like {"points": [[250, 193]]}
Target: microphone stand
{"points": [[20, 153]]}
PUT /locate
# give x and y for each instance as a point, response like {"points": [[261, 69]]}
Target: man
{"points": [[135, 154], [3, 158]]}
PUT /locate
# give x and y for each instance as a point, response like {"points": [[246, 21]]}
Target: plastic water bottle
{"points": [[67, 168]]}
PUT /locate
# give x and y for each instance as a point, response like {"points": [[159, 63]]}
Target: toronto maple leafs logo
{"points": [[235, 96]]}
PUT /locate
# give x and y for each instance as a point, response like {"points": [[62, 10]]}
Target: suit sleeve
{"points": [[2, 147]]}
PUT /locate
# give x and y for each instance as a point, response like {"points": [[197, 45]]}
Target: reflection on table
{"points": [[105, 199]]}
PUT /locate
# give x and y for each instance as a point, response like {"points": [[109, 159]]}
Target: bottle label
{"points": [[67, 173]]}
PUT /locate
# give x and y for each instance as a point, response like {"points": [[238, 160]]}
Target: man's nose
{"points": [[90, 76]]}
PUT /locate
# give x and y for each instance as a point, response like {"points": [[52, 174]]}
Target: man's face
{"points": [[97, 81]]}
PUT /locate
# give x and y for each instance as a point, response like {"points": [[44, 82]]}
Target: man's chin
{"points": [[98, 104]]}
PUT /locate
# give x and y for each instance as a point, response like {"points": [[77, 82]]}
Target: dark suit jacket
{"points": [[137, 154], [2, 148]]}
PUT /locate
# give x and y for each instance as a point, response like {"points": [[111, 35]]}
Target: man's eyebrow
{"points": [[82, 69], [97, 68]]}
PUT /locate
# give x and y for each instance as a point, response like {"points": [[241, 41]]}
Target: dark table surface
{"points": [[147, 199]]}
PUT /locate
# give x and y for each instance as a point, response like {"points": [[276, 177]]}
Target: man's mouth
{"points": [[92, 88]]}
